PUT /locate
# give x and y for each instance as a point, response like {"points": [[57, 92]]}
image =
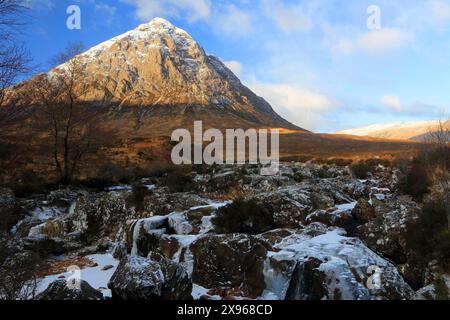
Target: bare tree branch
{"points": [[73, 125]]}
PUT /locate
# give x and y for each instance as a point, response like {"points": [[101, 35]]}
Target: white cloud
{"points": [[425, 16], [392, 102], [385, 40], [232, 21], [441, 11], [302, 106], [288, 18], [191, 10], [108, 11], [48, 4], [234, 66]]}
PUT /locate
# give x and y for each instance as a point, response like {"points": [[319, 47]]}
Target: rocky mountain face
{"points": [[330, 236], [161, 74]]}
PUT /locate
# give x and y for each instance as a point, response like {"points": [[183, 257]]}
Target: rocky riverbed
{"points": [[333, 237]]}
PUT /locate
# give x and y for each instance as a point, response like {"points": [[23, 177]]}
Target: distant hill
{"points": [[417, 131]]}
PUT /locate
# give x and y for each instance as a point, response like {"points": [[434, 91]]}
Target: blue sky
{"points": [[317, 62]]}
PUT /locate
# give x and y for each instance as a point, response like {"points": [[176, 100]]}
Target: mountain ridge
{"points": [[159, 71], [415, 130]]}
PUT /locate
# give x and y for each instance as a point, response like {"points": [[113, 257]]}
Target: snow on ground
{"points": [[212, 205], [129, 188], [342, 257], [40, 215], [97, 278], [119, 188], [346, 206], [198, 291]]}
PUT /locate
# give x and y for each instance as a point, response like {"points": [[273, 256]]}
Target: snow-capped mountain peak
{"points": [[151, 33], [157, 64]]}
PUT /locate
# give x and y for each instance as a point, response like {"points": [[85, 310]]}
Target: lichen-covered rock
{"points": [[364, 211], [138, 278], [387, 232], [63, 197], [96, 217], [143, 235], [308, 282], [161, 202], [178, 248], [276, 236], [438, 290], [330, 266], [289, 206], [341, 218], [44, 245], [234, 261], [61, 290], [56, 228]]}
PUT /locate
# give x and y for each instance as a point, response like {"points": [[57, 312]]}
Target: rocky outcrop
{"points": [[330, 266], [161, 202], [56, 228], [289, 206], [292, 205], [364, 212], [138, 278], [61, 290], [143, 235], [44, 246], [386, 233], [313, 254], [96, 217], [232, 261], [438, 290]]}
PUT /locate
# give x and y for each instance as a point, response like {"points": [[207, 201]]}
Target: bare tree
{"points": [[72, 121], [438, 158], [14, 59], [440, 134]]}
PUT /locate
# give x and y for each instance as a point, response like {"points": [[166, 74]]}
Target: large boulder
{"points": [[107, 214], [364, 211], [162, 202], [63, 198], [289, 206], [292, 204], [337, 217], [138, 278], [387, 234], [56, 228], [99, 216], [44, 245], [61, 290], [330, 266], [143, 235], [438, 290], [232, 261]]}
